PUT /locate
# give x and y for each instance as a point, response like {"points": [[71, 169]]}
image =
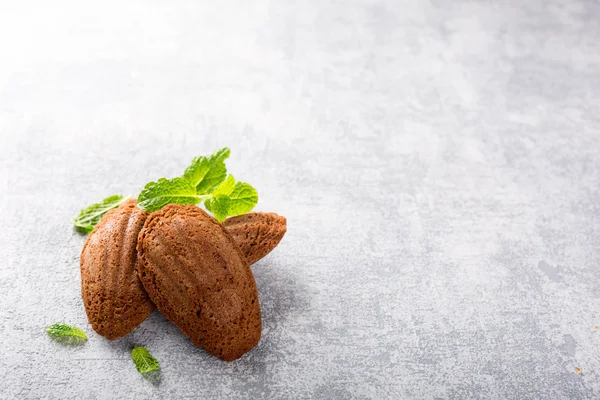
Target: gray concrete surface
{"points": [[438, 162]]}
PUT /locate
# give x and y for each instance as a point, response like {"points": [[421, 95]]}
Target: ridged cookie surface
{"points": [[114, 298], [256, 234], [199, 279]]}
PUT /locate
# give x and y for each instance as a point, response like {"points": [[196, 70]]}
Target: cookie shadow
{"points": [[151, 334], [283, 297]]}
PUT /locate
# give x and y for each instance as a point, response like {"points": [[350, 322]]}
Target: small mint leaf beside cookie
{"points": [[89, 217], [144, 362], [68, 334]]}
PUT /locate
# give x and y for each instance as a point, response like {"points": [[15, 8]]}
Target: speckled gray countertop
{"points": [[438, 163]]}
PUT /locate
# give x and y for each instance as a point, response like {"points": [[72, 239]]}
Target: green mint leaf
{"points": [[226, 187], [144, 362], [207, 172], [89, 217], [243, 199], [206, 179], [156, 195], [64, 333], [219, 206], [231, 198]]}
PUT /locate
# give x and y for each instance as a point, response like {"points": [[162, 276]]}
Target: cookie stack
{"points": [[181, 260]]}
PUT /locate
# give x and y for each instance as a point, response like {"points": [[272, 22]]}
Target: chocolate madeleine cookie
{"points": [[114, 298], [199, 279], [256, 234]]}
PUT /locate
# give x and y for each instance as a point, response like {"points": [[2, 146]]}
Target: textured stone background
{"points": [[438, 162]]}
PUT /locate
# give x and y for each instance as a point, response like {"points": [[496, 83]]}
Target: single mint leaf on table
{"points": [[66, 334], [89, 217], [231, 198], [207, 172], [156, 195], [144, 362]]}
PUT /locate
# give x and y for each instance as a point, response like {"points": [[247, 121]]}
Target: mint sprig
{"points": [[205, 180], [64, 333], [227, 199], [89, 217]]}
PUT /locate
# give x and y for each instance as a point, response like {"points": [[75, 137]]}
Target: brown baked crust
{"points": [[256, 234], [199, 279], [114, 298]]}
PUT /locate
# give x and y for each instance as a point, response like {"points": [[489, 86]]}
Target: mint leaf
{"points": [[231, 198], [144, 362], [243, 199], [89, 217], [226, 187], [66, 334], [156, 195], [205, 180], [207, 172], [219, 206]]}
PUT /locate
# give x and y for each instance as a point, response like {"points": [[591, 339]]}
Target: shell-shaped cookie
{"points": [[198, 278], [256, 234], [114, 298]]}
